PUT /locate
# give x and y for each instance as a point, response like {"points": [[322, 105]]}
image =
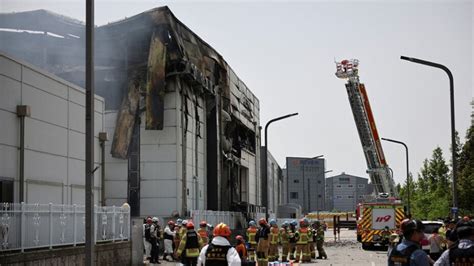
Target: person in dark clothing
{"points": [[263, 242], [462, 252], [409, 252], [155, 233], [189, 246]]}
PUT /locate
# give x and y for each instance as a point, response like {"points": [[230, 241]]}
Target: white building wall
{"points": [[54, 134]]}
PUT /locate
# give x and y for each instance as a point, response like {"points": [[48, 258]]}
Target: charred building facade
{"points": [[185, 129]]}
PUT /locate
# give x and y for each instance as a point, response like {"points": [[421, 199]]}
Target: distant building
{"points": [[275, 182], [344, 191], [305, 182], [284, 195]]}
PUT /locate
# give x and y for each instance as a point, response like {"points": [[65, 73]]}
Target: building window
{"points": [[360, 197], [319, 196], [294, 195], [296, 181], [319, 181], [361, 186], [350, 197], [6, 190], [338, 197], [338, 186], [350, 185]]}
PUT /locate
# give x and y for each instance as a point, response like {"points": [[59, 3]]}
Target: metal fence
{"points": [[29, 226]]}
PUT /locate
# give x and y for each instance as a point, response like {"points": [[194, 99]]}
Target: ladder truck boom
{"points": [[377, 166]]}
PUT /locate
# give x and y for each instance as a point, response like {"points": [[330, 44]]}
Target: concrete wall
{"points": [[106, 254], [344, 191], [275, 182], [54, 134]]}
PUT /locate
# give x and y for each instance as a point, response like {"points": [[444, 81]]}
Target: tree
{"points": [[465, 182]]}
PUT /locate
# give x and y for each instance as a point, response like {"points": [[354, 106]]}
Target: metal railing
{"points": [[30, 226]]}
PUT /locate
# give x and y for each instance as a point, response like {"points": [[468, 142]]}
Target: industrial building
{"points": [[344, 191], [183, 128], [306, 182], [42, 151], [274, 182]]}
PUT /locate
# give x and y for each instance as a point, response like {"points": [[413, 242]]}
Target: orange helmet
{"points": [[262, 221], [190, 225], [302, 222], [222, 230], [239, 238], [203, 224]]}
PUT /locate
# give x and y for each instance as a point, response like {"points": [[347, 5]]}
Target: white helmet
{"points": [[184, 222], [154, 219]]}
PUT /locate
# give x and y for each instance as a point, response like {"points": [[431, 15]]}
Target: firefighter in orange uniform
{"points": [[274, 240], [302, 243], [241, 249], [251, 234], [202, 231], [285, 244]]}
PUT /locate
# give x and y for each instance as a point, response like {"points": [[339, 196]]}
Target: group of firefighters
{"points": [[187, 245], [297, 243]]}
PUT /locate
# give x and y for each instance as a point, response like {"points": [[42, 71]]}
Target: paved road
{"points": [[345, 251]]}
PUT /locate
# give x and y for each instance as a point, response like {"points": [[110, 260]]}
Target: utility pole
{"points": [[89, 141]]}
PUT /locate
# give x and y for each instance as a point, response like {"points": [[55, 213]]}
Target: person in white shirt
{"points": [[436, 242], [169, 235], [219, 252], [146, 237]]}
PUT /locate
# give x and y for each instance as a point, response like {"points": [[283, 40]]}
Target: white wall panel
{"points": [[8, 161], [158, 153], [165, 136], [10, 68], [76, 145], [44, 193], [45, 106], [158, 206], [45, 137], [77, 116], [10, 93], [158, 170], [45, 167], [45, 83], [116, 189], [10, 129], [157, 188], [77, 96], [116, 171]]}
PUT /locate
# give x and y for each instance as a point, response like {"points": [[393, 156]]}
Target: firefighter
{"points": [[263, 245], [219, 251], [292, 239], [189, 246], [312, 242], [202, 231], [302, 243], [147, 237], [274, 240], [155, 234], [385, 234], [462, 252], [177, 236], [241, 249], [251, 235], [320, 241], [285, 245], [168, 240]]}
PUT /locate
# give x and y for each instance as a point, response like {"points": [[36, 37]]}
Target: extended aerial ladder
{"points": [[377, 167]]}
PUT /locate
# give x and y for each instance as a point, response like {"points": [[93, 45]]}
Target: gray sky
{"points": [[284, 52]]}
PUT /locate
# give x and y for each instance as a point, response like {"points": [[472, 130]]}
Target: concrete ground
{"points": [[345, 251]]}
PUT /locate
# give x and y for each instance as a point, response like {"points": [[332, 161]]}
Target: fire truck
{"points": [[381, 214]]}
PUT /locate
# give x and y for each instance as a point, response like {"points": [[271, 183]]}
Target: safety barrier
{"points": [[30, 226]]}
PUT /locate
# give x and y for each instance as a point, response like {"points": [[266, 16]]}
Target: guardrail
{"points": [[30, 226]]}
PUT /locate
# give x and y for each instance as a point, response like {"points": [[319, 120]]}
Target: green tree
{"points": [[465, 182]]}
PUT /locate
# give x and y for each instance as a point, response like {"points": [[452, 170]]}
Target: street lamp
{"points": [[309, 184], [265, 175], [453, 136], [408, 172]]}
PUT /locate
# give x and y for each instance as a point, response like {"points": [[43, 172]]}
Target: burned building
{"points": [[185, 129]]}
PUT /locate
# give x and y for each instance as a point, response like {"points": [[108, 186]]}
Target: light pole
{"points": [[265, 175], [453, 130], [408, 172]]}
